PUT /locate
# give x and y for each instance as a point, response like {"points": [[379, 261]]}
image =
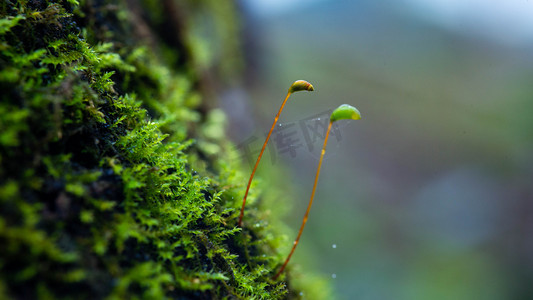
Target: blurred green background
{"points": [[430, 195]]}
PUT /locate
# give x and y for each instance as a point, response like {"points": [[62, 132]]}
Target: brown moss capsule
{"points": [[298, 85], [301, 85]]}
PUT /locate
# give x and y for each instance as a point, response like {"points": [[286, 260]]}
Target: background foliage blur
{"points": [[429, 196]]}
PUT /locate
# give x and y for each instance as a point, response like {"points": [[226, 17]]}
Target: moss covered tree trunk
{"points": [[115, 181]]}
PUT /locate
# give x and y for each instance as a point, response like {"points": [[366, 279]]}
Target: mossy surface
{"points": [[114, 180]]}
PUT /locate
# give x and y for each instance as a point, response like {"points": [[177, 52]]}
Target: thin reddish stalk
{"points": [[308, 206], [259, 158]]}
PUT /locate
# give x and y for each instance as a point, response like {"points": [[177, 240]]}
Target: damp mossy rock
{"points": [[114, 182]]}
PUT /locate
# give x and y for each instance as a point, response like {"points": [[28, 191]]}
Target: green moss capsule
{"points": [[345, 111]]}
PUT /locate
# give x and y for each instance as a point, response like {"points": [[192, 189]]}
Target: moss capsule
{"points": [[298, 85], [343, 112]]}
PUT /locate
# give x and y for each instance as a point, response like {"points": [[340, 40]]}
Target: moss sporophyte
{"points": [[298, 85], [343, 112]]}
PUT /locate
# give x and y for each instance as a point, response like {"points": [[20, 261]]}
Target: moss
{"points": [[114, 180]]}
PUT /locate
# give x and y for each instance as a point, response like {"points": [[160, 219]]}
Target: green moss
{"points": [[114, 181]]}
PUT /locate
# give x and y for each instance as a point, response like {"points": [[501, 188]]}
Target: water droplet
{"points": [[334, 246], [333, 275], [301, 294]]}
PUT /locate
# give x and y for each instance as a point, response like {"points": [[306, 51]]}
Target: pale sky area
{"points": [[272, 7], [509, 21]]}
